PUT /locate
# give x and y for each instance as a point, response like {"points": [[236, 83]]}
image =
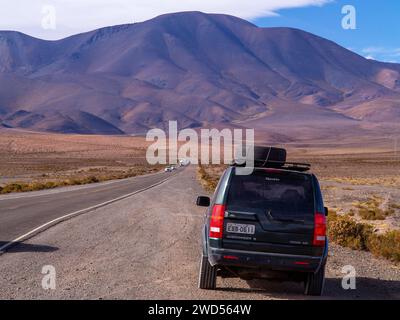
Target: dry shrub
{"points": [[344, 231], [394, 206], [386, 245], [371, 209], [208, 181], [35, 185]]}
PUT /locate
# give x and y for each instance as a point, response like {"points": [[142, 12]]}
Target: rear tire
{"points": [[315, 282], [207, 274]]}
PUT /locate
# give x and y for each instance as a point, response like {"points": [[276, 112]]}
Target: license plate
{"points": [[240, 228]]}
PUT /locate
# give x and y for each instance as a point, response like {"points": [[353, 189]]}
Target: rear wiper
{"points": [[269, 212]]}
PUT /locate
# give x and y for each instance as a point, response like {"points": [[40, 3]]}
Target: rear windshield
{"points": [[280, 193]]}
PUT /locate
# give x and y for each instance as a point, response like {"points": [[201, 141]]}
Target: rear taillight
{"points": [[301, 263], [231, 258], [217, 221], [319, 230]]}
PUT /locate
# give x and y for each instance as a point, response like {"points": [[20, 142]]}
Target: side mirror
{"points": [[326, 211], [203, 201]]}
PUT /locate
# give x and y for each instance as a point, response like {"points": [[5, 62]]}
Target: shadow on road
{"points": [[366, 288], [24, 247]]}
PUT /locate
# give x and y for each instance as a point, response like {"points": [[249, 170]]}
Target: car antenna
{"points": [[266, 160]]}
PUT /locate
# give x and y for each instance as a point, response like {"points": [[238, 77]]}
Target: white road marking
{"points": [[42, 193], [51, 223]]}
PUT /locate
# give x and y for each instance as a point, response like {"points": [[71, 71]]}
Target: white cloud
{"points": [[82, 15], [382, 50], [373, 50], [382, 53]]}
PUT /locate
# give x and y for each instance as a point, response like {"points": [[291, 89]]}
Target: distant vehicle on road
{"points": [[184, 162], [270, 224], [170, 169]]}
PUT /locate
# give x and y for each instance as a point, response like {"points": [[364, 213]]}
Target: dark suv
{"points": [[270, 224]]}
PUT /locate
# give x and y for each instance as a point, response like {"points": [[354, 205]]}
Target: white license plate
{"points": [[240, 228]]}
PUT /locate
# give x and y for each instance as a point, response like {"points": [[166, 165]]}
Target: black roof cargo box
{"points": [[262, 156], [269, 157]]}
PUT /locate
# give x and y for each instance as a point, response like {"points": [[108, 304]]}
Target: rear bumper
{"points": [[268, 261]]}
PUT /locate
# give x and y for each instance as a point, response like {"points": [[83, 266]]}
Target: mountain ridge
{"points": [[199, 69]]}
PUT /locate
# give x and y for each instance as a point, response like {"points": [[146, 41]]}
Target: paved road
{"points": [[147, 246], [21, 213]]}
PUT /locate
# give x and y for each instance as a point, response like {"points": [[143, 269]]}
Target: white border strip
{"points": [[52, 223], [47, 192]]}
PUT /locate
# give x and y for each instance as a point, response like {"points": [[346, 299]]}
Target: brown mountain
{"points": [[196, 68]]}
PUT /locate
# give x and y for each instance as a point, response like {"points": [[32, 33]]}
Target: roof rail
{"points": [[295, 166]]}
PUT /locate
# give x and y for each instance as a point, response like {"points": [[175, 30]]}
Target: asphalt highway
{"points": [[21, 213]]}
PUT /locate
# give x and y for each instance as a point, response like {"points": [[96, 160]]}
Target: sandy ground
{"points": [[27, 156], [148, 247]]}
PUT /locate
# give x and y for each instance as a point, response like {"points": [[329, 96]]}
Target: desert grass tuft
{"points": [[208, 181], [372, 209], [344, 231], [73, 181]]}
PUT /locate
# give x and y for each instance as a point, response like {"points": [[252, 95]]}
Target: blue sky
{"points": [[378, 26], [376, 36]]}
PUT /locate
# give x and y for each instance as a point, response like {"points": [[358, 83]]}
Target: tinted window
{"points": [[281, 193]]}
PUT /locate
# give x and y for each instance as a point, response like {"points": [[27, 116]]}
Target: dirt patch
{"points": [[36, 161]]}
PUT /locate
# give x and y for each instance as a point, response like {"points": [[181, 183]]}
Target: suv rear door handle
{"points": [[242, 215]]}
